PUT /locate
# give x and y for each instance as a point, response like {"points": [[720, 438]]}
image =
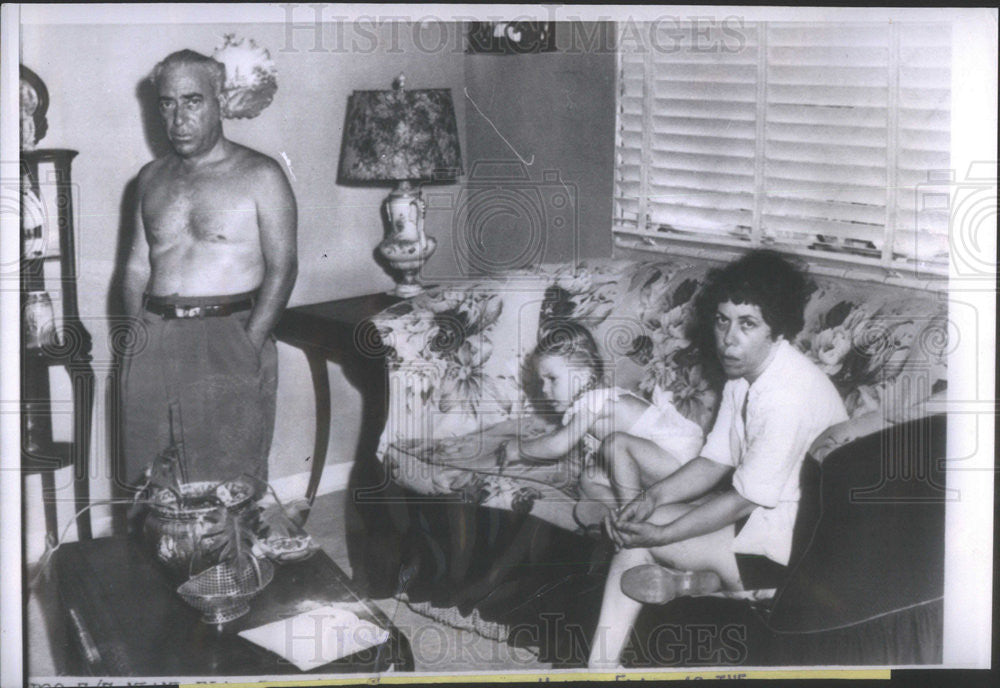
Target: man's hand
{"points": [[447, 480], [256, 339]]}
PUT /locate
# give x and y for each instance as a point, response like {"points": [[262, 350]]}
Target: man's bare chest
{"points": [[206, 210]]}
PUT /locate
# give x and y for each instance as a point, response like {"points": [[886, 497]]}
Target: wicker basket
{"points": [[223, 592]]}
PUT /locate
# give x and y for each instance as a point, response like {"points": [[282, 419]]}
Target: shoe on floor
{"points": [[654, 584]]}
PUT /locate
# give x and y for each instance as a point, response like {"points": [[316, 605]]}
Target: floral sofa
{"points": [[459, 386]]}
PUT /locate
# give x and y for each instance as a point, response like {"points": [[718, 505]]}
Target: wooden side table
{"points": [[340, 331]]}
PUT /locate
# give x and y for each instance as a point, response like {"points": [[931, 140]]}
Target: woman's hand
{"points": [[635, 513], [639, 509], [637, 534]]}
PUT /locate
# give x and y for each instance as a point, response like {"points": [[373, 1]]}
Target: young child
{"points": [[639, 443]]}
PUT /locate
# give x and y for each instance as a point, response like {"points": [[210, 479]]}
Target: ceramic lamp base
{"points": [[407, 258], [405, 291], [406, 248]]}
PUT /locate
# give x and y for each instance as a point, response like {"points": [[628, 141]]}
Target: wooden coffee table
{"points": [[121, 616]]}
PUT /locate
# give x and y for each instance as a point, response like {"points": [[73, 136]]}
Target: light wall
{"points": [[95, 75], [538, 124], [555, 110]]}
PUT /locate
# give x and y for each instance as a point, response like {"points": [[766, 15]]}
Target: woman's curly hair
{"points": [[762, 278]]}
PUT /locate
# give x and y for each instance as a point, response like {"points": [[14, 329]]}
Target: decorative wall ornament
{"points": [[251, 77], [34, 104], [512, 38]]}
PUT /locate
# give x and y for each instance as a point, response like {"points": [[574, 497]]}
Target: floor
{"points": [[436, 647]]}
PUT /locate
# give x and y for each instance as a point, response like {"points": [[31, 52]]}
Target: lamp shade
{"points": [[397, 135]]}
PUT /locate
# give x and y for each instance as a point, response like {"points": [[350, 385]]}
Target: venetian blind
{"points": [[809, 138]]}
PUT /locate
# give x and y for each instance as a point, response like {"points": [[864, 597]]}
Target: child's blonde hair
{"points": [[568, 339]]}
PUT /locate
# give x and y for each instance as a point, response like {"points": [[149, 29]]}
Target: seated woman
{"points": [[774, 405], [640, 443]]}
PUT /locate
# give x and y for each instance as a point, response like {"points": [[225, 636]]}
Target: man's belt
{"points": [[170, 311]]}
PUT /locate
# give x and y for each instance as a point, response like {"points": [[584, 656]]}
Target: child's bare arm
{"points": [[554, 445], [558, 443]]}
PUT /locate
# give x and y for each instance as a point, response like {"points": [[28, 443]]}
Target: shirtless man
{"points": [[212, 264]]}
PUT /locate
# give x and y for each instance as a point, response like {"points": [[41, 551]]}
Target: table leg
{"points": [[120, 489], [83, 412], [321, 386], [49, 504]]}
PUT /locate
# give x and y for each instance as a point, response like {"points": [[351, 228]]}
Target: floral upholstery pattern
{"points": [[459, 385]]}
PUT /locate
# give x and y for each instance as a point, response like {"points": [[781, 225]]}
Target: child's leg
{"points": [[595, 486], [635, 463], [596, 497]]}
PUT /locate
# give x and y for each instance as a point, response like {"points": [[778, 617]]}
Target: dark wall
{"points": [[539, 132]]}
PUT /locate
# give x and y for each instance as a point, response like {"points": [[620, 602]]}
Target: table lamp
{"points": [[404, 137]]}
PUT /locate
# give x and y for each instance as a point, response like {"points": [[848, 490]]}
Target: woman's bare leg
{"points": [[710, 552], [618, 611]]}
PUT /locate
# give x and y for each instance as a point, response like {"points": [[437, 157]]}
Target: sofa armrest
{"points": [[876, 545], [453, 357], [868, 423]]}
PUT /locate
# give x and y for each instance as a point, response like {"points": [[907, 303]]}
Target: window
{"points": [[808, 138]]}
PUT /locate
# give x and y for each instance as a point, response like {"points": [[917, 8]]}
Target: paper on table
{"points": [[321, 635]]}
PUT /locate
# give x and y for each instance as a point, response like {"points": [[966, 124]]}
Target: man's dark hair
{"points": [[189, 58], [764, 279]]}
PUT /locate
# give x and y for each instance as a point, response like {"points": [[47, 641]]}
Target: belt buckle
{"points": [[188, 311]]}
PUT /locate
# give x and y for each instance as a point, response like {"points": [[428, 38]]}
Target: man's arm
{"points": [[276, 219], [137, 267], [849, 430]]}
